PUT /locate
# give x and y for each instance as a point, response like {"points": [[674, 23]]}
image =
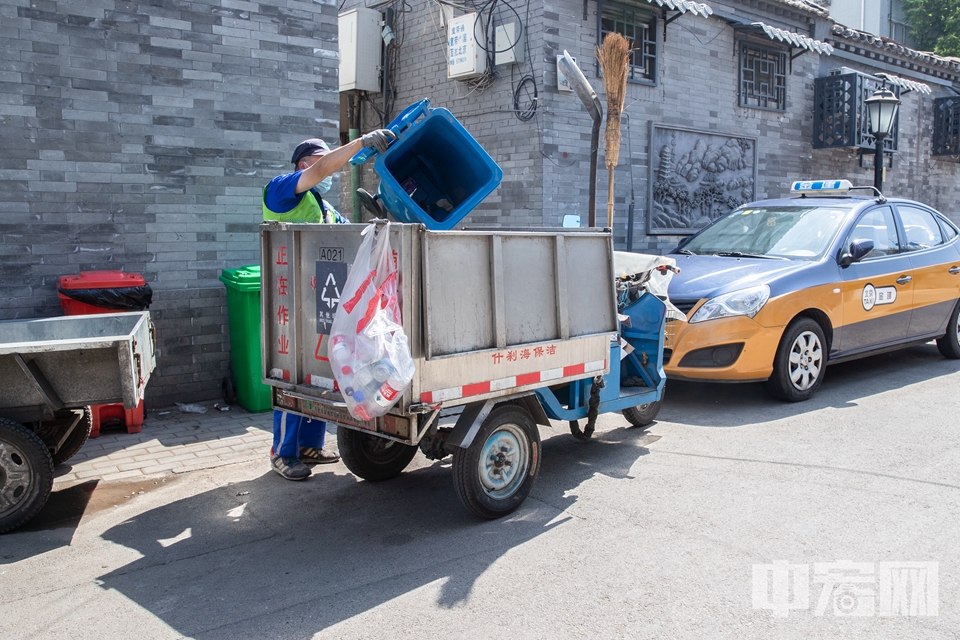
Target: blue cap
{"points": [[311, 147]]}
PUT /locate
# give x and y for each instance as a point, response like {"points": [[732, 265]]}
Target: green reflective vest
{"points": [[307, 211]]}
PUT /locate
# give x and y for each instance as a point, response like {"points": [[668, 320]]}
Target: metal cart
{"points": [[507, 330], [51, 371]]}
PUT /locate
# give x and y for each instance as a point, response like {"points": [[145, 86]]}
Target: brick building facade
{"points": [[138, 135], [697, 87]]}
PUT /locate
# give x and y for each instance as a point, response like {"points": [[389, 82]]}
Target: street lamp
{"points": [[883, 106]]}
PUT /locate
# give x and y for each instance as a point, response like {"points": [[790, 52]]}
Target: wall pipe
{"points": [[356, 214]]}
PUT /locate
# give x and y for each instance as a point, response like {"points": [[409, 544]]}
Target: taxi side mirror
{"points": [[858, 250]]}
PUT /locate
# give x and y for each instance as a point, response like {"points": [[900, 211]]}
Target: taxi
{"points": [[777, 289]]}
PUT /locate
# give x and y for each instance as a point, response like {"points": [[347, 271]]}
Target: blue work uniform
{"points": [[281, 202]]}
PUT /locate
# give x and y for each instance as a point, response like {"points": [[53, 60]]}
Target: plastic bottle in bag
{"points": [[387, 394], [364, 386], [361, 412], [340, 353], [382, 370], [363, 377]]}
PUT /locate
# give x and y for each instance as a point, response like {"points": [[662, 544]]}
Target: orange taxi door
{"points": [[936, 271], [878, 291]]}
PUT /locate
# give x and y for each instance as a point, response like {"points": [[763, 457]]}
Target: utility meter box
{"points": [[465, 58], [509, 44], [359, 34]]}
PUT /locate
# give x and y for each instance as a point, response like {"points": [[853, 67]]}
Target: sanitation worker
{"points": [[298, 197]]}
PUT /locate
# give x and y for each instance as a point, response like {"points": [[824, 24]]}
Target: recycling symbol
{"points": [[330, 275], [331, 292]]}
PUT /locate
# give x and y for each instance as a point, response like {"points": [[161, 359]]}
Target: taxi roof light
{"points": [[820, 187]]}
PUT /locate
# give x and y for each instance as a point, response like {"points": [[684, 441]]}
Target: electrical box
{"points": [[359, 34], [465, 58], [562, 83], [509, 44]]}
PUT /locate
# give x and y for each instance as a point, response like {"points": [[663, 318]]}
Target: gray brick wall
{"points": [[137, 136], [421, 73]]}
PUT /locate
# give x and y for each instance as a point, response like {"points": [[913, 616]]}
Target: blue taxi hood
{"points": [[709, 276]]}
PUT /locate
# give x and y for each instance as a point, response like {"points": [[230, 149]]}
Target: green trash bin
{"points": [[243, 310]]}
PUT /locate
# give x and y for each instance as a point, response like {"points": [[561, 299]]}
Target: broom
{"points": [[614, 58]]}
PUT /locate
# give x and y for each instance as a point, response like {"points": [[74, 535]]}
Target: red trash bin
{"points": [[107, 282]]}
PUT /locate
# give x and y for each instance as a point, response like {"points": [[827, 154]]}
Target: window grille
{"points": [[841, 117], [763, 77], [946, 126], [639, 26]]}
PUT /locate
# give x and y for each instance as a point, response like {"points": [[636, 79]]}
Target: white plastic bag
{"points": [[368, 351]]}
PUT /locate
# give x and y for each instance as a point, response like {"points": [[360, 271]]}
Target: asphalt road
{"points": [[714, 522]]}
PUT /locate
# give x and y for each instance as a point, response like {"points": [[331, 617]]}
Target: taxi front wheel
{"points": [[800, 361], [949, 345]]}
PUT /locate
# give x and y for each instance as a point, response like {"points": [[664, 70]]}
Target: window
{"points": [[840, 117], [763, 77], [796, 232], [877, 225], [639, 26], [921, 228], [949, 233], [946, 126]]}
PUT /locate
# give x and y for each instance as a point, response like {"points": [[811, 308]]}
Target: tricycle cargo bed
{"points": [[47, 364], [487, 313]]}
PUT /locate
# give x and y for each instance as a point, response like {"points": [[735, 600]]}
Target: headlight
{"points": [[746, 302]]}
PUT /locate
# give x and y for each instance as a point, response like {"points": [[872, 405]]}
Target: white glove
{"points": [[378, 139]]}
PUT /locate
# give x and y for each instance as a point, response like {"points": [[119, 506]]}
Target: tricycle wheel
{"points": [[643, 414], [495, 474], [371, 457], [26, 474], [77, 438]]}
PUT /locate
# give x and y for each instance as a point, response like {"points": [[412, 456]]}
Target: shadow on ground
{"points": [[270, 558], [846, 385], [57, 522]]}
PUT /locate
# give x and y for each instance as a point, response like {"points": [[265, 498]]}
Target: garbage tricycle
{"points": [[51, 371], [507, 330]]}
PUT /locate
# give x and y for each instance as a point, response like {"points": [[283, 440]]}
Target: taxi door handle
{"points": [[904, 279], [954, 270]]}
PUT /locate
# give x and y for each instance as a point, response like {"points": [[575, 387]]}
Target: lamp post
{"points": [[883, 106]]}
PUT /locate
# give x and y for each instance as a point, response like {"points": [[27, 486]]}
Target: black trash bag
{"points": [[118, 299]]}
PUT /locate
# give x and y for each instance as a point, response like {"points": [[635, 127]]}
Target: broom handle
{"points": [[610, 200]]}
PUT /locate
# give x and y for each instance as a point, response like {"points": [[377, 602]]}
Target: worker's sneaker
{"points": [[312, 456], [290, 468]]}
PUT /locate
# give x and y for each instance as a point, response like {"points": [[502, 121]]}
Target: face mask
{"points": [[325, 184]]}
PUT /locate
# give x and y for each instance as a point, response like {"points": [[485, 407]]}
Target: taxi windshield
{"points": [[792, 232]]}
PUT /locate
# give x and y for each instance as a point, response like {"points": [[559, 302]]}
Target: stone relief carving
{"points": [[696, 177]]}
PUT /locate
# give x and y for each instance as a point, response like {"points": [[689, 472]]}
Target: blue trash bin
{"points": [[435, 173]]}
